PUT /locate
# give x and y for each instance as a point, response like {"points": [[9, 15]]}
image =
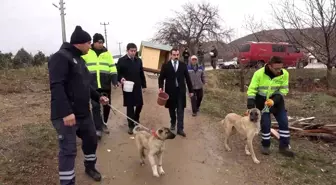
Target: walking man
{"points": [[130, 69], [174, 76], [266, 91], [200, 55], [186, 55], [103, 72], [70, 113], [214, 57], [196, 73]]}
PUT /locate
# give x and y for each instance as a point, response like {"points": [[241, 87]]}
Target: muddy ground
{"points": [[198, 159]]}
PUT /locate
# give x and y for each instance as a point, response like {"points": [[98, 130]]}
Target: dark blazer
{"points": [[132, 71], [167, 79]]}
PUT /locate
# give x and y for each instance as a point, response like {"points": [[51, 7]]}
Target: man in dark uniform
{"points": [[130, 68], [186, 55], [70, 110], [200, 55]]}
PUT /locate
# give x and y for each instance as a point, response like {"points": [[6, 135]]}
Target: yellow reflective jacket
{"points": [[102, 68], [265, 85]]}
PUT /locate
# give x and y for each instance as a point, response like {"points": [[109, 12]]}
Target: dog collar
{"points": [[154, 134]]}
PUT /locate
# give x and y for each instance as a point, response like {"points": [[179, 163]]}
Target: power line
{"points": [[119, 43], [61, 9], [104, 24]]}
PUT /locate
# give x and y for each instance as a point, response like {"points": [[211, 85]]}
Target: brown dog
{"points": [[154, 143], [247, 126]]}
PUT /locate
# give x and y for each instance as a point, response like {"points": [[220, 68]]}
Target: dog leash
{"points": [[114, 109]]}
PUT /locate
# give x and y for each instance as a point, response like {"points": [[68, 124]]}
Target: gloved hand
{"points": [[269, 103]]}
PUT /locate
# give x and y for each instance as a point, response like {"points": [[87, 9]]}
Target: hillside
{"points": [[228, 51]]}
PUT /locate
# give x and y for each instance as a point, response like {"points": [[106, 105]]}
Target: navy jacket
{"points": [[70, 84]]}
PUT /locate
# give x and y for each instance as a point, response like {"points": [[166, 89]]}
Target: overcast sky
{"points": [[36, 25]]}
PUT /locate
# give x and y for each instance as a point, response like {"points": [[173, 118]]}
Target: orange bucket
{"points": [[162, 98]]}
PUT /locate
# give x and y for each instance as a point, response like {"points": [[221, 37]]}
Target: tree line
{"points": [[21, 59], [309, 24]]}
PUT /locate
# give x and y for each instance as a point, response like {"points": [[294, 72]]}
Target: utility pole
{"points": [[119, 43], [104, 24], [62, 8]]}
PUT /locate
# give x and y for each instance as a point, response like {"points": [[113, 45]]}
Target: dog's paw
{"points": [[256, 161], [228, 149], [142, 163], [161, 172], [155, 174], [247, 152]]}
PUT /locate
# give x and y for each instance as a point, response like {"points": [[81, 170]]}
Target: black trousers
{"points": [[176, 111], [214, 63], [134, 114], [96, 110], [106, 108], [85, 130], [196, 100]]}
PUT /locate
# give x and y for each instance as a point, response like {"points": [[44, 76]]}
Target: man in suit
{"points": [[130, 68], [175, 76]]}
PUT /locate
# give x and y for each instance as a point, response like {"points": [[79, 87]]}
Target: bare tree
{"points": [[194, 24], [253, 26], [311, 24]]}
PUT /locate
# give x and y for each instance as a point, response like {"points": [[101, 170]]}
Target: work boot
{"points": [[265, 150], [105, 129], [99, 134], [93, 173], [285, 151], [181, 133], [172, 127], [194, 114]]}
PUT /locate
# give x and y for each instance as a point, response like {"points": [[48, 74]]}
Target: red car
{"points": [[256, 54]]}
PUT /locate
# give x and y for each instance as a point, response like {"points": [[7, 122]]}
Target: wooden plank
{"points": [[151, 70]]}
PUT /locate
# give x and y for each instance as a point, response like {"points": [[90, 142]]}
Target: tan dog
{"points": [[154, 143], [247, 126]]}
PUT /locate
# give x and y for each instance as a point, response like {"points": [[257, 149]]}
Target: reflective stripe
{"points": [[103, 63], [267, 134], [67, 177], [67, 172], [284, 131], [266, 138], [251, 97], [284, 135], [91, 157], [262, 94]]}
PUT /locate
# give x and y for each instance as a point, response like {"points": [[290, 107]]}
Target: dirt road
{"points": [[198, 159]]}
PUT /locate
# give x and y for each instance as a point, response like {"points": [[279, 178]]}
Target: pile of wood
{"points": [[305, 127]]}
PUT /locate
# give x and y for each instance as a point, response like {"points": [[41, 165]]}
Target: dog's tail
{"points": [[136, 129]]}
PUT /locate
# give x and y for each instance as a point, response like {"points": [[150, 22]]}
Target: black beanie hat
{"points": [[79, 36], [97, 37]]}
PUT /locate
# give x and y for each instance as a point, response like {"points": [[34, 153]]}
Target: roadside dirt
{"points": [[199, 159]]}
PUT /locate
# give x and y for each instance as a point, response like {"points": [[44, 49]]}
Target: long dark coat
{"points": [[167, 79], [132, 70]]}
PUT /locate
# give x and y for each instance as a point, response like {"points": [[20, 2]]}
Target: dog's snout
{"points": [[254, 116], [171, 135]]}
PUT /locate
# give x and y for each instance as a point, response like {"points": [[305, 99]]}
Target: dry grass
{"points": [[28, 141], [23, 80], [314, 161]]}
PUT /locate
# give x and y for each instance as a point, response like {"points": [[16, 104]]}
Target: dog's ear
{"points": [[160, 131]]}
